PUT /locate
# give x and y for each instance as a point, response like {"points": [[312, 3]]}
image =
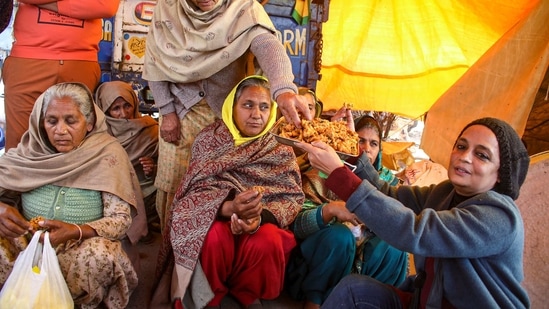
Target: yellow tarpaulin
{"points": [[400, 56]]}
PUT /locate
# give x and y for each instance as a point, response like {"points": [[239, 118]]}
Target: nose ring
{"points": [[65, 132]]}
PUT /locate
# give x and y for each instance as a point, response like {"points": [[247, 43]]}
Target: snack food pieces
{"points": [[348, 105], [336, 134], [259, 189], [34, 222]]}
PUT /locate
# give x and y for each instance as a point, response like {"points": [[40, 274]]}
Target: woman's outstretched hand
{"points": [[322, 157], [345, 113], [292, 105]]}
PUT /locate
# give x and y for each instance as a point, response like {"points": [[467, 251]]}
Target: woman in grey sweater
{"points": [[466, 233]]}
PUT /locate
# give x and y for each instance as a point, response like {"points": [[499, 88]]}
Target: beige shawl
{"points": [[138, 136], [185, 44], [99, 163]]}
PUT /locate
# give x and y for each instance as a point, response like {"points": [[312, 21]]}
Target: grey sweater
{"points": [[477, 245]]}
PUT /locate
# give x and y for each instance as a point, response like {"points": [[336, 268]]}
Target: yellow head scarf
{"points": [[227, 115]]}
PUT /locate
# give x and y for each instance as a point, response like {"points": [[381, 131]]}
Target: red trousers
{"points": [[249, 267]]}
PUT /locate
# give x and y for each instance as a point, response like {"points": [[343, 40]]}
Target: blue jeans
{"points": [[362, 292]]}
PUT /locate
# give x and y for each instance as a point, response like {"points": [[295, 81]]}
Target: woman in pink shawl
{"points": [[227, 230]]}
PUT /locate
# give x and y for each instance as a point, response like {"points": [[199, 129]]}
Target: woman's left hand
{"points": [[60, 232], [239, 226], [346, 114], [322, 156], [337, 209]]}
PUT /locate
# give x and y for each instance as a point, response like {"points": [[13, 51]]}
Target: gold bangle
{"points": [[79, 230]]}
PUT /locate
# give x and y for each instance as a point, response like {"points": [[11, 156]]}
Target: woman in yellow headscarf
{"points": [[228, 223]]}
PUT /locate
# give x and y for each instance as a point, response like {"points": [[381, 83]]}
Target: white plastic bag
{"points": [[36, 280]]}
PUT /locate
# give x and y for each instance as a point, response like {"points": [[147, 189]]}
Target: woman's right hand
{"points": [[170, 128], [247, 204], [337, 209], [321, 156], [291, 105], [149, 166], [12, 223]]}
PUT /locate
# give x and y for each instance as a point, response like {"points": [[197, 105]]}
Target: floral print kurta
{"points": [[97, 270]]}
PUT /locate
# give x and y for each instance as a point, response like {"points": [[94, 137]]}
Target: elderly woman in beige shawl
{"points": [[137, 133], [78, 178], [196, 52]]}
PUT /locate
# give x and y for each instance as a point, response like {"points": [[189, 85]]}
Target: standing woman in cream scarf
{"points": [[196, 53]]}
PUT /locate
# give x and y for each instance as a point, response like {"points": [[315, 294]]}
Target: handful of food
{"points": [[34, 223], [348, 105], [259, 189], [336, 134]]}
